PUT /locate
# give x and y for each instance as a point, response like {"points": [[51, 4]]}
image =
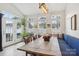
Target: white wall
{"points": [[70, 11]]}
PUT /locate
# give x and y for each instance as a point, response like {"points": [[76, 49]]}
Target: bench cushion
{"points": [[73, 42], [66, 50]]}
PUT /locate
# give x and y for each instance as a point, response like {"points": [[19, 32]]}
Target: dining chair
{"points": [[34, 37], [27, 40], [39, 36]]}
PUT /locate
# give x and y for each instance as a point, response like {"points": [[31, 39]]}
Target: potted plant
{"points": [[24, 23], [24, 33]]}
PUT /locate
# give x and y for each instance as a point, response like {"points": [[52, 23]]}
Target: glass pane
{"points": [[18, 25], [42, 25], [31, 23], [55, 22], [9, 37], [42, 22], [18, 35], [9, 30]]}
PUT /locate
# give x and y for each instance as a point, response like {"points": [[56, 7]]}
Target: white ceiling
{"points": [[28, 8], [33, 8], [7, 7]]}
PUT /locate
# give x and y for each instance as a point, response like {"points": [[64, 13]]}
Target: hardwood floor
{"points": [[12, 50]]}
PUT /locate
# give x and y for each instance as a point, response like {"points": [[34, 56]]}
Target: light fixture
{"points": [[43, 7]]}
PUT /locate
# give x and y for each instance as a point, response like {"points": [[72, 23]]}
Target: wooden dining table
{"points": [[42, 48]]}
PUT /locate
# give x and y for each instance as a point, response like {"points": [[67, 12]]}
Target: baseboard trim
{"points": [[12, 44]]}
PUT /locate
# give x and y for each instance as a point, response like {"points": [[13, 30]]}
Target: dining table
{"points": [[40, 47]]}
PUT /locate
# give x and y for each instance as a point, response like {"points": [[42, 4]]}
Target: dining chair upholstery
{"points": [[39, 36], [27, 39], [34, 37]]}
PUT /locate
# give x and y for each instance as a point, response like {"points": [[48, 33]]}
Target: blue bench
{"points": [[65, 48], [73, 42]]}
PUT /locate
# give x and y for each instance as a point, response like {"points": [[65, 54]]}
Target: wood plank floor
{"points": [[12, 50]]}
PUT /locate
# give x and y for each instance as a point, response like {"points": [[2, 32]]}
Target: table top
{"points": [[39, 46]]}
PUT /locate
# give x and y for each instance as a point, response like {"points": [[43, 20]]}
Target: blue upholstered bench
{"points": [[66, 50], [69, 45], [73, 42]]}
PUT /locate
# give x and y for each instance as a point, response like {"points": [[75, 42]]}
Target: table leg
{"points": [[26, 53], [33, 55]]}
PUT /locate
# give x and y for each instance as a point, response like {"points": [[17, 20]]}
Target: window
{"points": [[42, 22], [42, 25], [18, 35], [31, 23], [55, 22], [9, 30], [18, 25], [9, 37]]}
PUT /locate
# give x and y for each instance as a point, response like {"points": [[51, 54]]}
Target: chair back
{"points": [[27, 39]]}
